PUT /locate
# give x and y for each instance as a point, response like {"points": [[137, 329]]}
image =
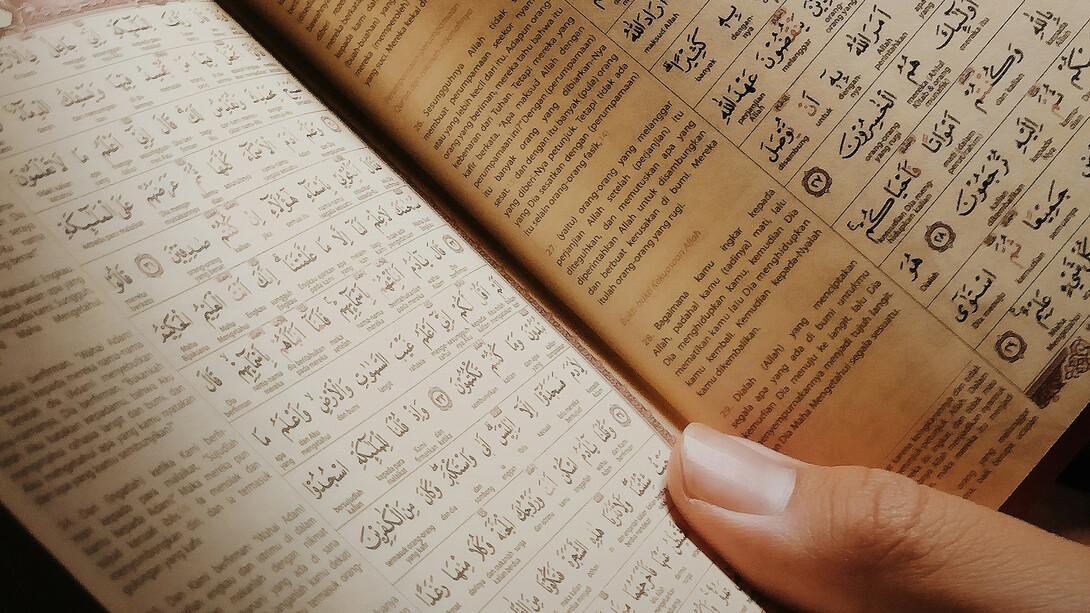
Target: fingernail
{"points": [[727, 472]]}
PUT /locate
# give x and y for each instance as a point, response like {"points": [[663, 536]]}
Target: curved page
{"points": [[852, 231], [244, 367]]}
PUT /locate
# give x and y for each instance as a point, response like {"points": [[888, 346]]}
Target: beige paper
{"points": [[757, 205], [244, 366]]}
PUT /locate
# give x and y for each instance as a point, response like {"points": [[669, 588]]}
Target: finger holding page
{"points": [[859, 539]]}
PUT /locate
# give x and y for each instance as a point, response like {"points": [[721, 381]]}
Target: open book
{"points": [[245, 366]]}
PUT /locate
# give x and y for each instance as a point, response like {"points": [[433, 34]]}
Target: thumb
{"points": [[859, 539]]}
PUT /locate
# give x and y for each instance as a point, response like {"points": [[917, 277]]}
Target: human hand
{"points": [[859, 539]]}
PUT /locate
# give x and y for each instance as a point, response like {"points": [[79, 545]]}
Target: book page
{"points": [[850, 231], [245, 367]]}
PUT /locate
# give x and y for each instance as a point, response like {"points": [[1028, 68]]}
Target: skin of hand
{"points": [[849, 538]]}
